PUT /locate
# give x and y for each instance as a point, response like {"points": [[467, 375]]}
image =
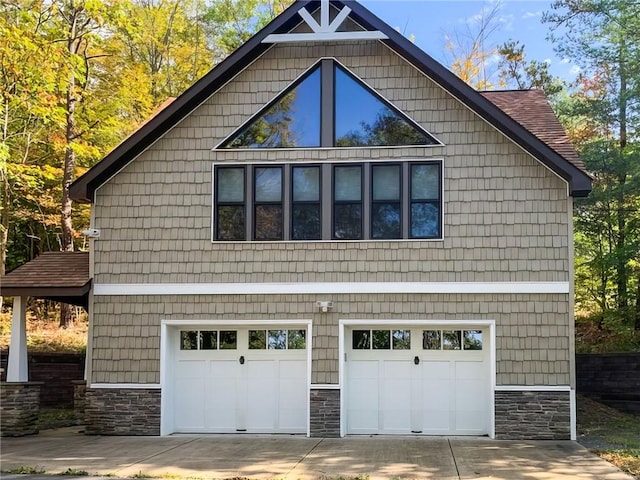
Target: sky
{"points": [[429, 22]]}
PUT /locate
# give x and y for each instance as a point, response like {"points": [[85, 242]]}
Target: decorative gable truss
{"points": [[328, 107], [326, 30]]}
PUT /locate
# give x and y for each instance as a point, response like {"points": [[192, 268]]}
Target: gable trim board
{"points": [[330, 288], [83, 188]]}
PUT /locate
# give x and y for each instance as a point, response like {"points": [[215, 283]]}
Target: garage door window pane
{"points": [[401, 339], [473, 339], [228, 340], [188, 340], [381, 340], [277, 339], [431, 340], [257, 339], [361, 339], [451, 339], [208, 340], [297, 340]]}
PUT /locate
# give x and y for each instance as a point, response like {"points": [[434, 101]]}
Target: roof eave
{"points": [[83, 189], [579, 182]]}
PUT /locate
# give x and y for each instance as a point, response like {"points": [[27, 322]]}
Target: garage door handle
{"points": [[416, 360], [241, 359]]}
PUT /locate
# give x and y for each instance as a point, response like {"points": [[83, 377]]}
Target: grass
{"points": [[74, 472], [49, 418], [45, 336], [611, 434], [27, 470]]}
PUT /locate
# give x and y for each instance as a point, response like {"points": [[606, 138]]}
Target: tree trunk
{"points": [[622, 277], [66, 244]]}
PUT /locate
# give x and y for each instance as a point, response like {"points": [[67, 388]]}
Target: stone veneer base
{"points": [[325, 413], [529, 415], [122, 411], [19, 408]]}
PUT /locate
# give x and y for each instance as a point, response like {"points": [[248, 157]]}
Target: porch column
{"points": [[17, 366]]}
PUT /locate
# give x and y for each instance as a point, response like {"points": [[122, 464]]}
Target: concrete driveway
{"points": [[297, 457]]}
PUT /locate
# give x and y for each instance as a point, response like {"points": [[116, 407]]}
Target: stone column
{"points": [[17, 365], [19, 408]]}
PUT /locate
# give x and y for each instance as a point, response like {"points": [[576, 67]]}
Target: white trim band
{"points": [[132, 386], [533, 388], [329, 288], [324, 386]]}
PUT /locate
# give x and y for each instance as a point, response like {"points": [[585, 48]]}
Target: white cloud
{"points": [[575, 70], [565, 60], [547, 61], [532, 14]]}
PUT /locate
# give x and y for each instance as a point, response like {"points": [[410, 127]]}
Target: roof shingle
{"points": [[531, 109], [50, 270]]}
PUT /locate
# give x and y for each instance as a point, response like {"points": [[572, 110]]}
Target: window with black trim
{"points": [[328, 106], [331, 201]]}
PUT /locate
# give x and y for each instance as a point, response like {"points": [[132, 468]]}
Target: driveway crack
{"points": [[455, 463], [304, 457], [157, 454]]}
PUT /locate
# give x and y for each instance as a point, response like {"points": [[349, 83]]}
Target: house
{"points": [[330, 234]]}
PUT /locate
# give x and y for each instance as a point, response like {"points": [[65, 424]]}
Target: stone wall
{"points": [[325, 413], [19, 408], [56, 371], [527, 415], [612, 378], [122, 411]]}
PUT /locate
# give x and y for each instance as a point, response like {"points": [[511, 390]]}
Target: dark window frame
{"points": [[328, 110], [439, 202], [334, 202], [327, 200], [256, 203], [293, 201], [399, 201], [219, 204]]}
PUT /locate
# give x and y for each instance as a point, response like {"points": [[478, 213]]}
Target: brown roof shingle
{"points": [[50, 270], [531, 109]]}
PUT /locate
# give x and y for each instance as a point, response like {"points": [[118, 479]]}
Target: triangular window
{"points": [[352, 116], [362, 118], [290, 121]]}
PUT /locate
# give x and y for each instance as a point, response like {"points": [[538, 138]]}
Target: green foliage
{"points": [[519, 72], [74, 472], [27, 470]]}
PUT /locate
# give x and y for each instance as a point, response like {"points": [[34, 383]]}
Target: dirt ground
{"points": [[613, 435]]}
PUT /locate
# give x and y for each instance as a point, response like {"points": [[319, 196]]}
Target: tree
{"points": [[604, 40], [517, 71], [471, 51]]}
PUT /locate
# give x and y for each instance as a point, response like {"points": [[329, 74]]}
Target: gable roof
{"points": [[83, 188]]}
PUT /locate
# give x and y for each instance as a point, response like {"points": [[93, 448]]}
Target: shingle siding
{"points": [[505, 220], [532, 330]]}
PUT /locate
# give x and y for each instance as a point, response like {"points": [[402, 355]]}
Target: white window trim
{"points": [[167, 426], [457, 324]]}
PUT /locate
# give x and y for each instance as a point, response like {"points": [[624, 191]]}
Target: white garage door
{"points": [[241, 380], [417, 380]]}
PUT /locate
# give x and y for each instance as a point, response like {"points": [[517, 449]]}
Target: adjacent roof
{"points": [[60, 276], [84, 188], [531, 109]]}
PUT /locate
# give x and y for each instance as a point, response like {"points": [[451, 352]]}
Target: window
{"points": [[277, 339], [292, 120], [452, 339], [347, 202], [230, 199], [268, 203], [381, 339], [208, 339], [328, 107], [385, 201], [306, 207], [364, 201]]}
